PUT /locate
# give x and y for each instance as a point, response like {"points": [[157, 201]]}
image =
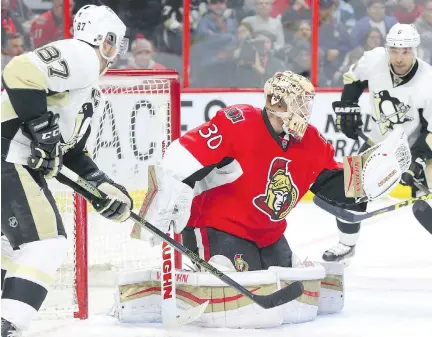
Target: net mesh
{"points": [[131, 123]]}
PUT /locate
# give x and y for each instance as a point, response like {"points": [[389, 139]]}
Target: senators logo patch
{"points": [[240, 264], [281, 193], [235, 115]]}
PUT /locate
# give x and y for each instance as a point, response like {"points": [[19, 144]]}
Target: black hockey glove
{"points": [[46, 154], [348, 118], [117, 205], [414, 173]]}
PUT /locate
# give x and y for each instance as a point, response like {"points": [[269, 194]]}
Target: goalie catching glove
{"points": [[46, 154], [167, 203], [118, 203], [375, 172]]}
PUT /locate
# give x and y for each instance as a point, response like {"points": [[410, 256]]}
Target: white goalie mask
{"points": [[98, 24], [297, 93]]}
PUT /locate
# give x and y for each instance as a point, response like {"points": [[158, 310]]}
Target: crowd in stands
{"points": [[234, 43]]}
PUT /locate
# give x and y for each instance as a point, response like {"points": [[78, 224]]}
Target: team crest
{"points": [[389, 111], [240, 264], [281, 193]]}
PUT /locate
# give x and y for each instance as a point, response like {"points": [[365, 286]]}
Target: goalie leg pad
{"points": [[332, 295], [138, 299]]}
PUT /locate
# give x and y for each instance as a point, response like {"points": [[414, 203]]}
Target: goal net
{"points": [[139, 116]]}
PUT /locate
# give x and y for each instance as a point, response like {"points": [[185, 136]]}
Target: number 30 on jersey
{"points": [[212, 135]]}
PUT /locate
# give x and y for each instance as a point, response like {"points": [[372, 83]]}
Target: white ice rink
{"points": [[388, 286]]}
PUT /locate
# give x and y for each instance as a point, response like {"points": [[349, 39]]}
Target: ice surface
{"points": [[388, 286]]}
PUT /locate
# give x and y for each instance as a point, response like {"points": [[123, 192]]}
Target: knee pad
{"points": [[41, 258]]}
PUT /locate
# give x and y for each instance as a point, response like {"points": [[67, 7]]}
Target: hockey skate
{"points": [[339, 253], [9, 330]]}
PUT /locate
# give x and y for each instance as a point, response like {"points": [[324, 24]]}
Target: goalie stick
{"points": [[351, 216], [282, 296], [423, 213]]}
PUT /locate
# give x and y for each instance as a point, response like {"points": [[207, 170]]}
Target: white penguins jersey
{"points": [[63, 73], [396, 102]]}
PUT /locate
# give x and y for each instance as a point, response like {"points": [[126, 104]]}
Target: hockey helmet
{"points": [[403, 36], [97, 24]]}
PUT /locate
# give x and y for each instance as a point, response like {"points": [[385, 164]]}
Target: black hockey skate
{"points": [[9, 330], [339, 253]]}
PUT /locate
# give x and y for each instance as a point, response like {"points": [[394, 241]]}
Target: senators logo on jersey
{"points": [[281, 193], [240, 264], [389, 111]]}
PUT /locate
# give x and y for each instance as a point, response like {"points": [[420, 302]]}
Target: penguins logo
{"points": [[240, 264], [389, 111], [281, 192]]}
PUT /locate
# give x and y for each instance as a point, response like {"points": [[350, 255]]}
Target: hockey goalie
{"points": [[229, 185]]}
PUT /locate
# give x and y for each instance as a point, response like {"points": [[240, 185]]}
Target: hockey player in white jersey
{"points": [[47, 106], [400, 97]]}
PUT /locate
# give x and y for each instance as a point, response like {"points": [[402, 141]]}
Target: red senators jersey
{"points": [[246, 177], [45, 29]]}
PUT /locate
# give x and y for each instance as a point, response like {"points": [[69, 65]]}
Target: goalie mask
{"points": [[97, 25], [296, 93]]}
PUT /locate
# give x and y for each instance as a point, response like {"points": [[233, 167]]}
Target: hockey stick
{"points": [[282, 296], [423, 213], [351, 216]]}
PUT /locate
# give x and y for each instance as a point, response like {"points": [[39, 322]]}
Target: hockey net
{"points": [[139, 117]]}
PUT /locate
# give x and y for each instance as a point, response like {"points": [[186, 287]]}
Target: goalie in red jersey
{"points": [[233, 180]]}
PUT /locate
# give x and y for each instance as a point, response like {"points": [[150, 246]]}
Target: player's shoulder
{"points": [[314, 137], [238, 114], [82, 61], [424, 68], [375, 56]]}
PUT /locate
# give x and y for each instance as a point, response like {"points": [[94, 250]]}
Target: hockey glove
{"points": [[348, 118], [46, 154], [414, 173], [117, 205], [167, 203]]}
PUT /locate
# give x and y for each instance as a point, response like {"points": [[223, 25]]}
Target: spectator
{"points": [[214, 22], [302, 34], [424, 27], [262, 21], [244, 31], [298, 10], [407, 11], [14, 47], [256, 61], [300, 58], [344, 14], [142, 55], [375, 18], [48, 26], [11, 23], [334, 39], [374, 39], [352, 57], [211, 62]]}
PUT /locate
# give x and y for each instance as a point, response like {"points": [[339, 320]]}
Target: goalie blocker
{"points": [[138, 297]]}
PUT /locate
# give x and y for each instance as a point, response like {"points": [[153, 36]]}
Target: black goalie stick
{"points": [[352, 216], [282, 296], [423, 213]]}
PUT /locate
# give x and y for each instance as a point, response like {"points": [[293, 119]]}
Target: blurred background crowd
{"points": [[233, 43]]}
